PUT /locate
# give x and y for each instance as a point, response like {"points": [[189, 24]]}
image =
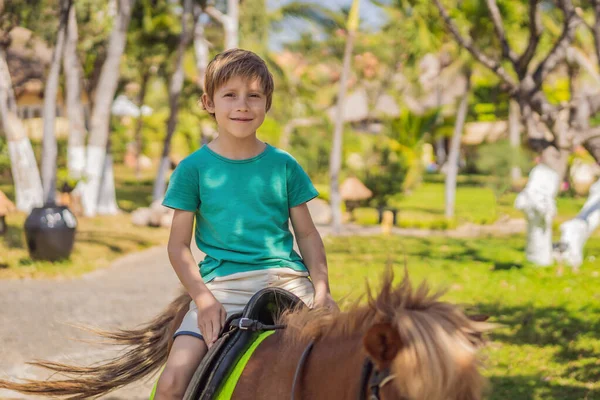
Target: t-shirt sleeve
{"points": [[299, 187], [183, 192]]}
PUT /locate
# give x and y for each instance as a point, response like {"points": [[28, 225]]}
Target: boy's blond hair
{"points": [[237, 63]]}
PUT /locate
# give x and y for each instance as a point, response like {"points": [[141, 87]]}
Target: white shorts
{"points": [[234, 292]]}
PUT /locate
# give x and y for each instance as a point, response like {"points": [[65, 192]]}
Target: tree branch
{"points": [[589, 134], [476, 53], [216, 14], [596, 28], [559, 50], [507, 52], [594, 103], [535, 31]]}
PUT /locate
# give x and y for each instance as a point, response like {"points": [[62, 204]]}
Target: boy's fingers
{"points": [[216, 327], [209, 331], [223, 317]]}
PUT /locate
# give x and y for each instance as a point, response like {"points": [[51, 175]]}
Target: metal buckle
{"points": [[245, 323]]}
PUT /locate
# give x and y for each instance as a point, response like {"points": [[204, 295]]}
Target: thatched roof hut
{"points": [[353, 189]]}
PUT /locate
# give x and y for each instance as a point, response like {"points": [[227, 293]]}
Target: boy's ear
{"points": [[208, 103]]}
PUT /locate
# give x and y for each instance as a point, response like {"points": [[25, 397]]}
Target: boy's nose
{"points": [[242, 104]]}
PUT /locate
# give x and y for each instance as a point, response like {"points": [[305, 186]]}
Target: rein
{"points": [[371, 379]]}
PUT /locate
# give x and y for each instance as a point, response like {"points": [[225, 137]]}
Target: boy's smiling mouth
{"points": [[242, 119]]}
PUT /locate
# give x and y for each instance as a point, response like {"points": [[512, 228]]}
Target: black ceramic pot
{"points": [[50, 232]]}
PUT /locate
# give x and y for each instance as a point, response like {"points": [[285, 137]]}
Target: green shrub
{"points": [[497, 159], [385, 174]]}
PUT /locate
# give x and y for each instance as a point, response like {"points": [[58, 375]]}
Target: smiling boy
{"points": [[242, 193]]}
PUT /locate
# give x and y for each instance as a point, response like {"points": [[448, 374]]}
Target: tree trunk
{"points": [[25, 173], [140, 122], [514, 134], [440, 151], [201, 51], [75, 112], [538, 202], [174, 91], [575, 232], [49, 151], [336, 150], [232, 24], [453, 156], [99, 129], [107, 197]]}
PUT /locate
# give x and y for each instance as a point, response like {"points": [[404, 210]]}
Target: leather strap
{"points": [[300, 366], [247, 324]]}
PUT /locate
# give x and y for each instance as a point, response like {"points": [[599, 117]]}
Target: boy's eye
{"points": [[229, 94], [255, 95]]}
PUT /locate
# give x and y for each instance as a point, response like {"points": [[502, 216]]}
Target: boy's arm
{"points": [[313, 252], [211, 314], [181, 256]]}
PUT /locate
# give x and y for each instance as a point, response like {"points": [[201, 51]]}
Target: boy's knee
{"points": [[171, 385]]}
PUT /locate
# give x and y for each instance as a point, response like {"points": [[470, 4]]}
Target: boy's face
{"points": [[239, 106]]}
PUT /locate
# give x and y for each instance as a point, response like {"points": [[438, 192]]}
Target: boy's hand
{"points": [[211, 317], [324, 299]]}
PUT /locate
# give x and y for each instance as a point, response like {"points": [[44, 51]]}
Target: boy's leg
{"points": [[186, 354], [188, 349]]}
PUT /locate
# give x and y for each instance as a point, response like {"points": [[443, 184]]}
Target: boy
{"points": [[241, 193]]}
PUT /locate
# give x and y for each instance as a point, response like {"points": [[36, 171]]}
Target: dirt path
{"points": [[34, 314]]}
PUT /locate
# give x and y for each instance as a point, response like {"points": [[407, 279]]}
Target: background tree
{"points": [[175, 87], [25, 173], [49, 154], [565, 124], [336, 151], [75, 112], [97, 192], [152, 40], [454, 153]]}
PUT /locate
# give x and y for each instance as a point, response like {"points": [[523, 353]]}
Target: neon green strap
{"points": [[153, 392], [230, 383]]}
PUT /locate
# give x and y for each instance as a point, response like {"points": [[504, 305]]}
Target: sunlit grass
{"points": [[98, 241], [548, 347]]}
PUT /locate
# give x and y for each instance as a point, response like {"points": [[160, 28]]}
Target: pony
{"points": [[404, 343]]}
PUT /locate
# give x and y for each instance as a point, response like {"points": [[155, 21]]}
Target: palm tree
{"points": [[75, 113], [336, 150], [25, 173], [49, 153], [175, 87], [454, 153], [98, 190]]}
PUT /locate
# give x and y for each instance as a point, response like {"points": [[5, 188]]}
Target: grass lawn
{"points": [[549, 346], [98, 241], [425, 207]]}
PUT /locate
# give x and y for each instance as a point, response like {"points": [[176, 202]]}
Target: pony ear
{"points": [[382, 343]]}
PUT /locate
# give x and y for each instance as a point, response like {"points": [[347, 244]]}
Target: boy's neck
{"points": [[237, 149]]}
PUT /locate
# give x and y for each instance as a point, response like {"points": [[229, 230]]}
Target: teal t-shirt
{"points": [[242, 208]]}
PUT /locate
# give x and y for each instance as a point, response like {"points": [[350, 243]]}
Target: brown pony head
{"points": [[429, 346]]}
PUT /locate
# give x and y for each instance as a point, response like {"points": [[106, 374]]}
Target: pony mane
{"points": [[437, 359]]}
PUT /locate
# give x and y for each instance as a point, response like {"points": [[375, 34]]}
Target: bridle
{"points": [[372, 380]]}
